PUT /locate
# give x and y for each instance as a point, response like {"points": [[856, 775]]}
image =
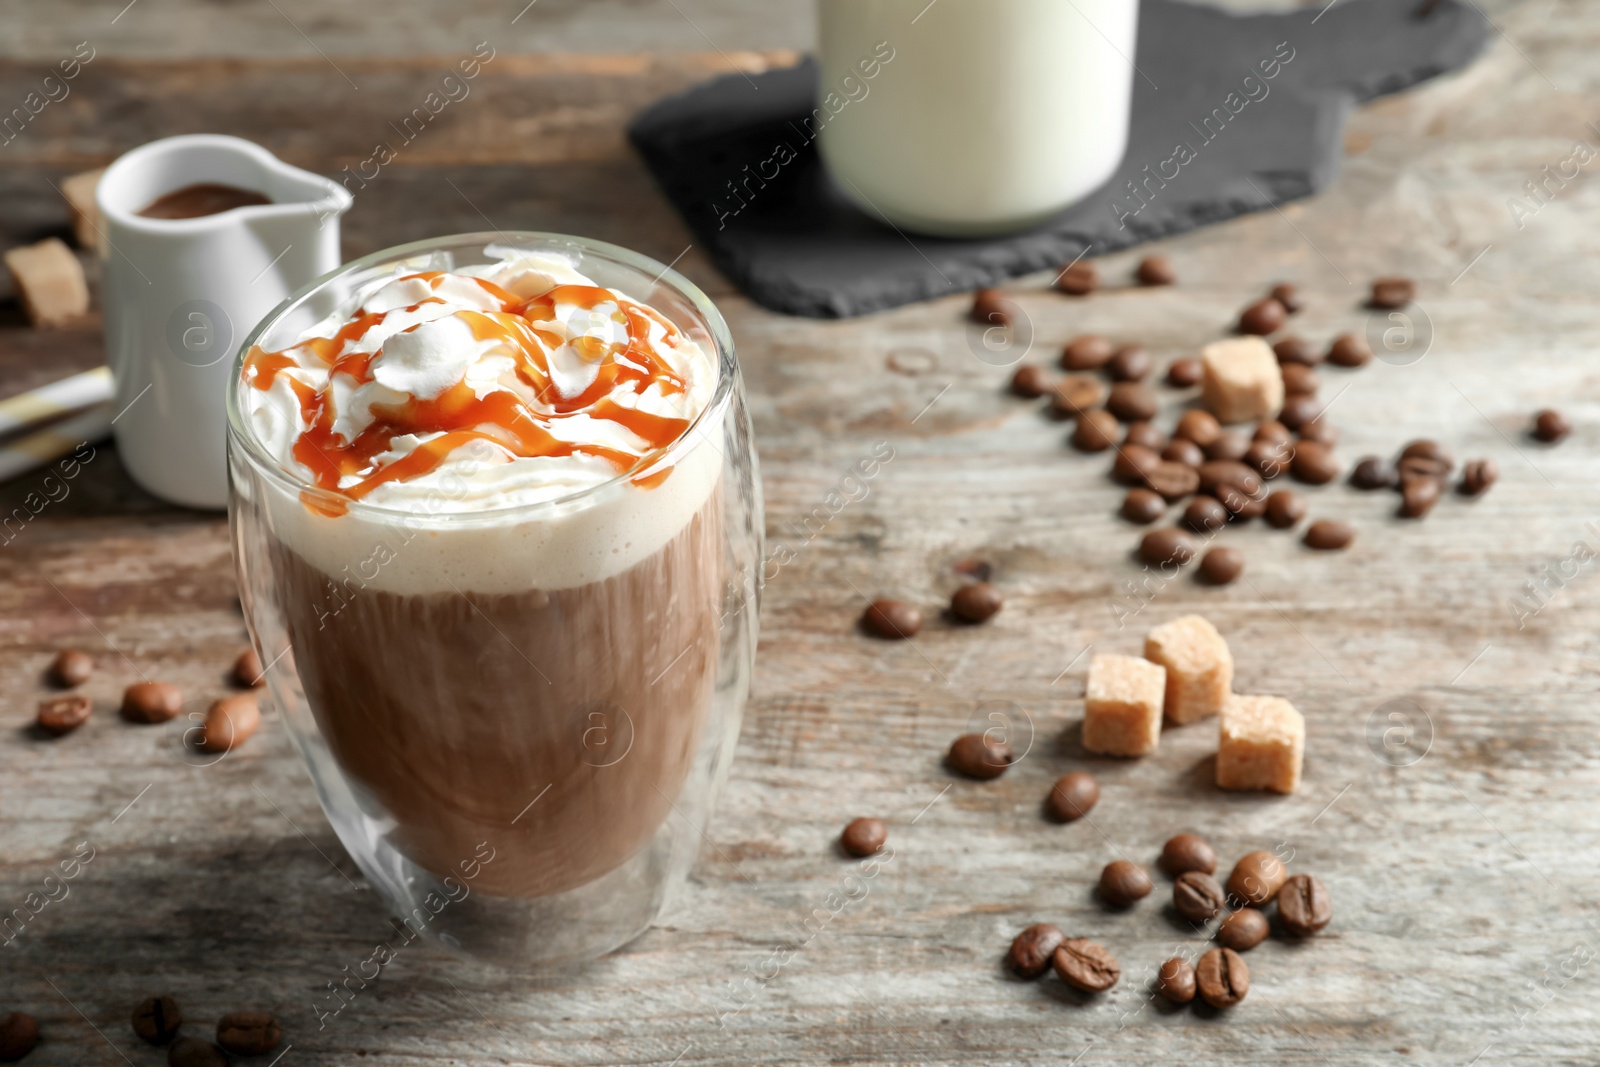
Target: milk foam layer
{"points": [[564, 385]]}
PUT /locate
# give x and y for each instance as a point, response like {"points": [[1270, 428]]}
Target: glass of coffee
{"points": [[498, 528]]}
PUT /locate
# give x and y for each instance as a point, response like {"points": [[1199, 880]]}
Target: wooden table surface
{"points": [[1460, 846]]}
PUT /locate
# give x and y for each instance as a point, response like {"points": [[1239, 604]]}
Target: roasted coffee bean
{"points": [[1477, 476], [1373, 472], [976, 602], [19, 1033], [1314, 463], [1299, 380], [891, 619], [1074, 796], [63, 714], [156, 1020], [193, 1052], [1550, 426], [1179, 450], [1143, 506], [1184, 373], [1167, 545], [1229, 444], [1389, 293], [1273, 432], [1146, 434], [1263, 317], [1030, 381], [1285, 508], [1222, 978], [1427, 448], [1242, 506], [1295, 350], [1087, 352], [1197, 897], [1204, 514], [1132, 402], [1131, 364], [1095, 431], [1304, 906], [991, 307], [1288, 295], [980, 756], [229, 723], [1221, 565], [1086, 966], [1256, 878], [1321, 431], [1269, 458], [1187, 852], [864, 836], [978, 570], [1217, 473], [1134, 464], [1198, 426], [1421, 467], [1175, 981], [1298, 410], [1079, 278], [1349, 350], [1122, 883], [1329, 534], [1173, 481], [1033, 948], [1077, 393], [1243, 930], [248, 1033], [1418, 495], [247, 670], [1156, 270], [151, 702], [71, 667]]}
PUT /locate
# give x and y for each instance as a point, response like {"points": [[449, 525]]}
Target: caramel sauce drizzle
{"points": [[522, 329]]}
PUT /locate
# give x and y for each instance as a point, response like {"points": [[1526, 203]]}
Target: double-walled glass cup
{"points": [[517, 719]]}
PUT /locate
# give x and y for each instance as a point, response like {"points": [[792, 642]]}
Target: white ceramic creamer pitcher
{"points": [[181, 294]]}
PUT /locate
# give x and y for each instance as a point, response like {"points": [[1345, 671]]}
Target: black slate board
{"points": [[800, 247]]}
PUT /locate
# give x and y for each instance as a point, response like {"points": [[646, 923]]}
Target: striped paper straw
{"points": [[52, 401], [36, 449]]}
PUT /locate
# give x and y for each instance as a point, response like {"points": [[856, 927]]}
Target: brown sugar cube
{"points": [[1198, 664], [1122, 707], [1262, 745], [1242, 381], [79, 191], [50, 281]]}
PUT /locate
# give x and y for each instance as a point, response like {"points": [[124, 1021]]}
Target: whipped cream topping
{"points": [[484, 387]]}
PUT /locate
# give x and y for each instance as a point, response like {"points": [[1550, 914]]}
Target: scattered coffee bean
{"points": [[1222, 978], [1269, 458], [1244, 930], [19, 1033], [864, 836], [891, 619], [1087, 352], [1221, 565], [1173, 481], [1427, 448], [1197, 897], [1288, 295], [1304, 906], [1086, 966], [1131, 364], [156, 1020], [1295, 350], [1167, 545], [1550, 426], [1079, 278], [979, 570], [1349, 350], [1077, 393], [1030, 381], [1204, 514], [1218, 474], [1175, 981], [1321, 431], [247, 670], [1373, 472], [229, 723], [1156, 270], [1198, 426], [1122, 883], [1183, 451], [1074, 796], [1229, 444], [1421, 467], [1033, 948], [1146, 434], [248, 1033], [1329, 534], [1132, 402], [1418, 495], [64, 714], [980, 756], [1185, 372], [71, 668], [1314, 463], [1242, 506], [1096, 431], [1298, 410], [1263, 317], [194, 1052], [1299, 380], [976, 602], [1187, 852], [1143, 506], [1256, 878], [1477, 476], [1273, 431], [991, 307], [1285, 508], [1389, 293], [1134, 464], [151, 702]]}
